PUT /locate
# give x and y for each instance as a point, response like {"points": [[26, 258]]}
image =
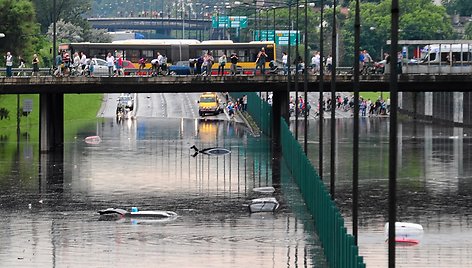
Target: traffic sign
{"points": [[27, 105], [280, 37], [228, 22]]}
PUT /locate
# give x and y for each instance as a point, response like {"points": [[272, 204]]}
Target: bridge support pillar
{"points": [[280, 102], [458, 99], [428, 102], [51, 121]]}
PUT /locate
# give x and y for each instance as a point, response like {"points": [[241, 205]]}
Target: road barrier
{"points": [[338, 245]]}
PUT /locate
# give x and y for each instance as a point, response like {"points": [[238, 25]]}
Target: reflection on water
{"points": [[48, 207], [434, 189]]}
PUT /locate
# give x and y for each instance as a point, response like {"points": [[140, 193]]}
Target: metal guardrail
{"points": [[19, 72], [26, 71]]}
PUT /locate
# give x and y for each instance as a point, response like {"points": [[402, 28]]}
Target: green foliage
{"points": [[461, 7], [419, 20], [17, 22], [468, 31], [66, 32], [67, 10], [97, 36]]}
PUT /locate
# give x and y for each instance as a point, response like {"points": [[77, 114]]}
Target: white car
{"points": [[100, 67]]}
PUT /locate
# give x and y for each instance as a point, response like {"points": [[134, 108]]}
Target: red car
{"points": [[128, 65]]}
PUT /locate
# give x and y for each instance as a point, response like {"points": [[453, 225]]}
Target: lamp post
{"points": [[321, 113], [305, 82], [333, 107], [273, 17], [296, 71], [54, 34]]}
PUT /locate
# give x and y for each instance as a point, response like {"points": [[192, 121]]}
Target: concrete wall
{"points": [[453, 108]]}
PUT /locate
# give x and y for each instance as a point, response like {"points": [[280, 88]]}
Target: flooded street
{"points": [[434, 189], [48, 209]]}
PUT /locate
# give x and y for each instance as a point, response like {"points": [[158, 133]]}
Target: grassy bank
{"points": [[373, 96], [77, 107]]}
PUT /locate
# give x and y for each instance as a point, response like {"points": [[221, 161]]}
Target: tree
{"points": [[468, 31], [419, 20], [97, 36], [19, 26], [66, 32], [461, 7], [68, 10]]}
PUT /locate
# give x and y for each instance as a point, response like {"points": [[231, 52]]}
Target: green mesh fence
{"points": [[260, 110], [338, 245]]}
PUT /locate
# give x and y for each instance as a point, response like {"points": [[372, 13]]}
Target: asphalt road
{"points": [[161, 105]]}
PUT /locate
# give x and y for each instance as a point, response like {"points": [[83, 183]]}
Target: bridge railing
{"points": [[19, 72]]}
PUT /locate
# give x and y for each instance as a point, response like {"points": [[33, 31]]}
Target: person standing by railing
{"points": [[9, 63], [260, 61], [83, 60], [234, 61], [209, 60], [285, 62], [35, 63], [110, 63], [221, 64]]}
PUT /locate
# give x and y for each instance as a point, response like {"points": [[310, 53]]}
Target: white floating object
{"points": [[404, 229], [93, 140], [264, 190], [266, 204]]}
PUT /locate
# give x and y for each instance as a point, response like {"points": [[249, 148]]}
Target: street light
{"points": [[2, 35]]}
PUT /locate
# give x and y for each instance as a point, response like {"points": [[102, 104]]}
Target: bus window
{"points": [[218, 53], [98, 53], [444, 56], [132, 55], [253, 54], [147, 54], [243, 55], [466, 56], [270, 54]]}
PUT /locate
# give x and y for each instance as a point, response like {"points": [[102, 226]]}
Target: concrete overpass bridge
{"points": [[52, 90], [160, 25]]}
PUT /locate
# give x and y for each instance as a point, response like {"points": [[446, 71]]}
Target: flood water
{"points": [[434, 188], [48, 207]]}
